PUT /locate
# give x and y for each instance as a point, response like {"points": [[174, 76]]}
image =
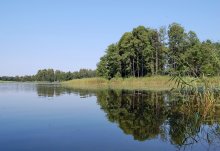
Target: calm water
{"points": [[50, 118]]}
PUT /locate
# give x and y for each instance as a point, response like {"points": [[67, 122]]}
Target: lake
{"points": [[46, 117]]}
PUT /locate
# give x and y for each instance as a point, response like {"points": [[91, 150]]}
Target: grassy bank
{"points": [[145, 83]]}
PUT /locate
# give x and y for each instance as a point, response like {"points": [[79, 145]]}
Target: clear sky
{"points": [[73, 34]]}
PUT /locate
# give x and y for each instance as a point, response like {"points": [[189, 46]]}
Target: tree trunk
{"points": [[133, 68], [138, 66], [131, 71], [152, 64], [142, 67], [156, 62]]}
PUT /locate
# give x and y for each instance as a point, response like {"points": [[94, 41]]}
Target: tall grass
{"points": [[144, 83], [203, 104], [199, 92]]}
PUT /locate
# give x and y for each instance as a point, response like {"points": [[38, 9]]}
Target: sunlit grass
{"points": [[145, 83], [159, 83]]}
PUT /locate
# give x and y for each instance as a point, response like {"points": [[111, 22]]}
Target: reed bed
{"points": [[145, 83]]}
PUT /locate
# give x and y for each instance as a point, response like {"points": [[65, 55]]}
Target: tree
{"points": [[126, 55], [45, 75], [157, 54], [59, 75], [163, 50], [141, 47], [176, 35], [102, 68], [192, 56], [210, 63]]}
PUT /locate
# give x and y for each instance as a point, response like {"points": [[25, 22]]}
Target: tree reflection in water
{"points": [[148, 115], [52, 90]]}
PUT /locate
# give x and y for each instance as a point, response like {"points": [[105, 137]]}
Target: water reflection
{"points": [[52, 90], [147, 115]]}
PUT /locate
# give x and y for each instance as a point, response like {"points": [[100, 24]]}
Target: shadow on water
{"points": [[147, 115]]}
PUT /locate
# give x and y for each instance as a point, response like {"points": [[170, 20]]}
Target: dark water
{"points": [[51, 118]]}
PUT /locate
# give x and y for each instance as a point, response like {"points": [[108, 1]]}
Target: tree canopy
{"points": [[51, 76], [145, 52]]}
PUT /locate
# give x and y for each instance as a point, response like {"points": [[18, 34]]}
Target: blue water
{"points": [[50, 118]]}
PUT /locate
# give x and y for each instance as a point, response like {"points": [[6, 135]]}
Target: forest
{"points": [[51, 76], [148, 52]]}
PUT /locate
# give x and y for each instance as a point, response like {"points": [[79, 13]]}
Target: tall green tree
{"points": [[176, 34], [127, 55], [102, 69], [142, 49]]}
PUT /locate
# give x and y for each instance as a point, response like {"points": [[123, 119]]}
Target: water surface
{"points": [[46, 117]]}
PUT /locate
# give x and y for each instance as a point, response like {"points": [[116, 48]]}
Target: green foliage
{"points": [[110, 63], [50, 75], [138, 53], [145, 52], [45, 75]]}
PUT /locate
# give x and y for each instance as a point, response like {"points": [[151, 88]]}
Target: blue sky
{"points": [[69, 35]]}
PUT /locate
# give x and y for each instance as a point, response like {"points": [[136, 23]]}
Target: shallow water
{"points": [[48, 117]]}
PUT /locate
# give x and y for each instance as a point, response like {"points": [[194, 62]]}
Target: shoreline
{"points": [[155, 83]]}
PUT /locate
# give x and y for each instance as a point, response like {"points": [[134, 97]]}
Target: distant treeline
{"points": [[52, 76], [145, 52]]}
